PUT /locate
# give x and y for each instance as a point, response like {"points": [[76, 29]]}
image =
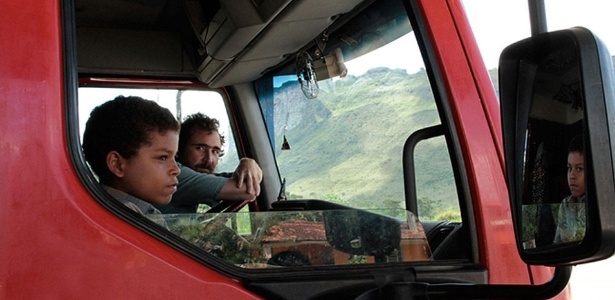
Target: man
{"points": [[199, 150], [200, 143]]}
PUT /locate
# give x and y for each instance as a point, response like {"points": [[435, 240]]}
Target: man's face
{"points": [[202, 151], [151, 175], [576, 174]]}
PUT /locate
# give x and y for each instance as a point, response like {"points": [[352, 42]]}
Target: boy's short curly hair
{"points": [[197, 121], [123, 124]]}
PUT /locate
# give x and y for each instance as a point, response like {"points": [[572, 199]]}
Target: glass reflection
{"points": [[304, 238], [571, 213], [554, 206], [566, 220]]}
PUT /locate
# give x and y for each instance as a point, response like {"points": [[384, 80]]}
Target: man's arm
{"points": [[232, 192], [195, 187]]}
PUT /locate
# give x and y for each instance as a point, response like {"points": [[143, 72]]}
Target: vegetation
{"points": [[346, 145]]}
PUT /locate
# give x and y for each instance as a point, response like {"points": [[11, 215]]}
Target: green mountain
{"points": [[358, 124]]}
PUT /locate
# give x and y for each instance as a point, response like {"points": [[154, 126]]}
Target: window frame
{"points": [[71, 84]]}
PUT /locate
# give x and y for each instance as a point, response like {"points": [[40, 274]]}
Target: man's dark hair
{"points": [[576, 144], [123, 124], [197, 121]]}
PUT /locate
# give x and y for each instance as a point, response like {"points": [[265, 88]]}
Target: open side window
{"points": [[181, 102]]}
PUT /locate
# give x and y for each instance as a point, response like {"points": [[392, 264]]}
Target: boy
{"points": [[131, 143], [571, 215]]}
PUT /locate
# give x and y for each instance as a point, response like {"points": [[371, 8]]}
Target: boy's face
{"points": [[576, 174], [151, 174]]}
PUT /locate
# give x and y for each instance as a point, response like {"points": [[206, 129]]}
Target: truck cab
{"points": [[376, 125]]}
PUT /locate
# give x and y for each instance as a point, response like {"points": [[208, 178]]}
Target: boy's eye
{"points": [[163, 158]]}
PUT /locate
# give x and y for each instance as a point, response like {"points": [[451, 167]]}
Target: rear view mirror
{"points": [[558, 107]]}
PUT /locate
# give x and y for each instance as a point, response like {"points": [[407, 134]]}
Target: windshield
{"points": [[347, 144]]}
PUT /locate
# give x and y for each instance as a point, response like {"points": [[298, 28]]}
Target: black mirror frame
{"points": [[596, 71]]}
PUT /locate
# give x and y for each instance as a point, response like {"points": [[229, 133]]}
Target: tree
{"points": [[336, 199], [426, 208]]}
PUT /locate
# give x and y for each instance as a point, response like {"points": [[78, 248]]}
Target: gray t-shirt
{"points": [[193, 188], [142, 207]]}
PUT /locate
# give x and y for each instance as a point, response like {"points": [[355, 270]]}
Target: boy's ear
{"points": [[115, 163]]}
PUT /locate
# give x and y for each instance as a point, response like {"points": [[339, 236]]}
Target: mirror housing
{"points": [[552, 86]]}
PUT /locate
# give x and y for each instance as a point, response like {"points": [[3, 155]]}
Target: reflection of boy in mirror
{"points": [[571, 215]]}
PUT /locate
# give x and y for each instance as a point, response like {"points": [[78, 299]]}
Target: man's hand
{"points": [[249, 172]]}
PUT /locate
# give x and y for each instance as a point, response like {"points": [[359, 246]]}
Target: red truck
{"points": [[391, 168]]}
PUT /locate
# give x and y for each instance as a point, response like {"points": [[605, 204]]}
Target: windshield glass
{"points": [[347, 144]]}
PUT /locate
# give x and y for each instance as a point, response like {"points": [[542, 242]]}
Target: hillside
{"points": [[358, 124]]}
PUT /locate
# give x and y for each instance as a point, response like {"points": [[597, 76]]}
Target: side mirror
{"points": [[554, 87]]}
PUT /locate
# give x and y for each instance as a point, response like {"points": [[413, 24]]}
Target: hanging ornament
{"points": [[285, 144], [306, 75]]}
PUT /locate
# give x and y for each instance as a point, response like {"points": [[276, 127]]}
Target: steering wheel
{"points": [[228, 206]]}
